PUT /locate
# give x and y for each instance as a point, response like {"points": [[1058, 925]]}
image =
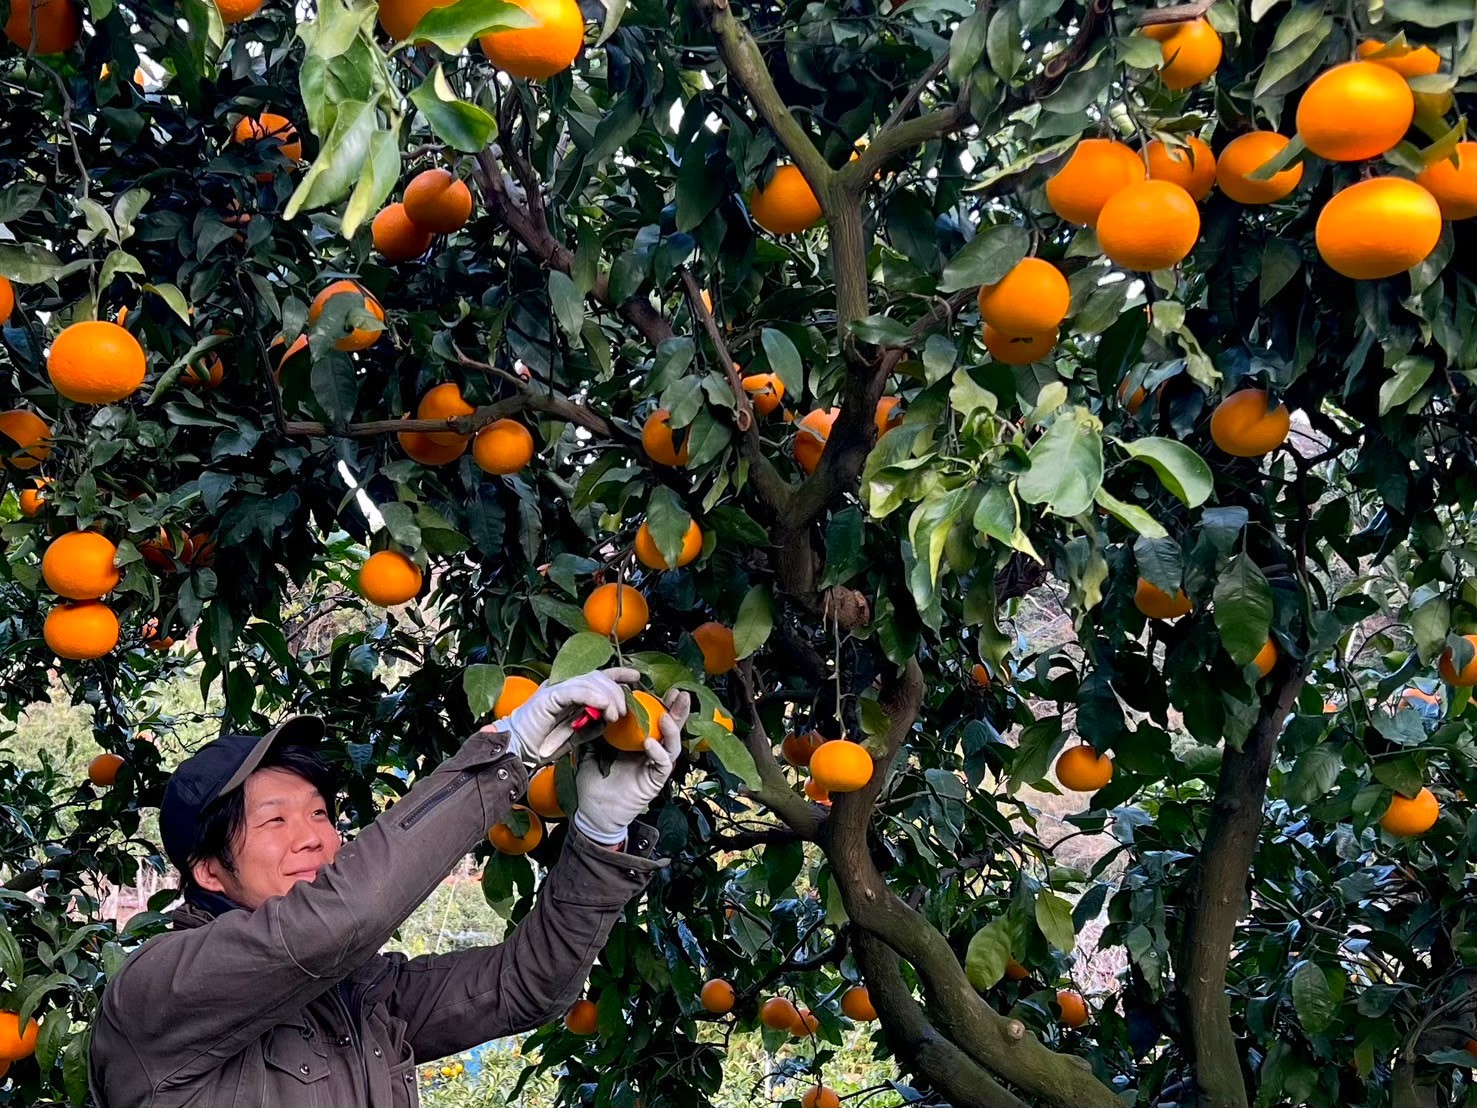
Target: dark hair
{"points": [[223, 821]]}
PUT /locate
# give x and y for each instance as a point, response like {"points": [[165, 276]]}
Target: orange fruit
{"points": [[421, 448], [389, 577], [513, 695], [1467, 678], [102, 771], [1246, 425], [649, 556], [502, 836], [1378, 228], [80, 630], [29, 433], [806, 1023], [7, 299], [811, 436], [17, 1042], [1032, 298], [627, 733], [888, 415], [95, 362], [786, 205], [436, 201], [617, 610], [856, 1003], [1083, 770], [1265, 658], [717, 996], [444, 402], [395, 236], [1244, 155], [1018, 349], [1073, 1008], [1148, 226], [1014, 971], [1094, 173], [1408, 61], [979, 675], [716, 643], [358, 338], [798, 749], [58, 26], [150, 634], [841, 766], [276, 128], [399, 17], [821, 1096], [547, 48], [765, 391], [543, 797], [1407, 815], [817, 793], [580, 1019], [1454, 184], [80, 565], [1355, 111], [32, 499], [503, 446], [778, 1014], [208, 373], [237, 11], [1191, 166], [1155, 603], [1191, 50], [1132, 401], [299, 344], [660, 441]]}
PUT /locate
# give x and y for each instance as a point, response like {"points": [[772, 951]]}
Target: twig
{"points": [[1179, 13], [744, 419]]}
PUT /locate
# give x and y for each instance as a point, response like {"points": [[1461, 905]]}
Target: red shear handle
{"points": [[587, 716]]}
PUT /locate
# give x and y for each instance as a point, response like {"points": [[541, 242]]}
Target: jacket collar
{"points": [[200, 907]]}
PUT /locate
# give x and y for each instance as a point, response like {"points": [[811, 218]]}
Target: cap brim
{"points": [[295, 730]]}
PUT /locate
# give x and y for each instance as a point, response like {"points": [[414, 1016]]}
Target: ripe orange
{"points": [[1018, 349], [542, 797], [806, 1023], [1408, 61], [1033, 297], [278, 129], [1355, 111], [1265, 658], [649, 556], [1378, 228], [15, 1042], [33, 498], [1155, 603], [547, 48], [1094, 173], [150, 634], [816, 792], [1133, 401], [95, 362], [58, 25], [299, 344], [888, 415], [1409, 816], [1192, 51], [1454, 184], [388, 577], [395, 237], [444, 402], [617, 610], [358, 338], [786, 205], [1072, 1007], [1244, 155], [717, 996], [399, 17], [503, 446], [627, 733], [29, 433], [1014, 971], [1246, 425], [1148, 226], [778, 1014], [979, 675], [102, 771], [436, 201], [237, 11], [420, 447], [765, 391], [811, 436], [1083, 770], [856, 1003], [821, 1096], [660, 441], [80, 630], [1191, 166], [502, 836], [1446, 667], [79, 565], [7, 299], [580, 1020], [841, 766], [716, 643], [798, 749], [208, 373], [513, 695]]}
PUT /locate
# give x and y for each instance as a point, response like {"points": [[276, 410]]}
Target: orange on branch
{"points": [[388, 577], [1148, 226], [841, 766], [659, 440], [1191, 50], [503, 446], [820, 1096], [1265, 658], [444, 402], [17, 1042], [1446, 667], [237, 11], [399, 17], [152, 639], [1454, 184], [888, 415], [422, 448], [1408, 816], [1032, 298], [543, 797], [786, 204], [765, 390], [1191, 166], [550, 46], [1083, 770], [1355, 111], [798, 749], [81, 630], [58, 25], [436, 201], [811, 436], [1072, 1007], [278, 129], [628, 733], [651, 557], [513, 695], [7, 300], [1014, 971], [979, 675], [1247, 424], [1246, 154], [806, 1023], [716, 643], [32, 499], [80, 565], [25, 438], [856, 1003], [503, 837], [778, 1014], [617, 610], [580, 1019], [717, 996], [1408, 61], [1018, 349], [1155, 603], [358, 338], [102, 771], [395, 237], [816, 793], [1096, 171], [1378, 228], [96, 362]]}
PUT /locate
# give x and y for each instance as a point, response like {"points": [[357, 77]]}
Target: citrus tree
{"points": [[804, 356]]}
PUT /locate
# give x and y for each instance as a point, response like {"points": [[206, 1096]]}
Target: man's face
{"points": [[287, 837]]}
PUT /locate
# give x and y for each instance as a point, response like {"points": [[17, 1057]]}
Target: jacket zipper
{"points": [[351, 1018], [436, 798]]}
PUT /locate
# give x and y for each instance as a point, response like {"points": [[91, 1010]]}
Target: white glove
{"points": [[539, 728], [609, 802]]}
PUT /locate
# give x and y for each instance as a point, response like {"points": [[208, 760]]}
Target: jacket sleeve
{"points": [[453, 1002], [188, 1000]]}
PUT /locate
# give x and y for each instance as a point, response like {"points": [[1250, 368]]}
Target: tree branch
{"points": [[1056, 70], [1179, 13], [774, 792]]}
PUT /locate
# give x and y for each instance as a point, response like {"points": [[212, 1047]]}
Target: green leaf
{"points": [[1411, 374], [993, 252], [784, 360], [482, 685], [1243, 609], [1066, 465], [614, 11], [1429, 625], [173, 297], [1130, 515], [569, 305], [966, 45], [1054, 917], [118, 261], [74, 1068], [1401, 773], [1280, 262], [340, 160], [1183, 472], [1313, 775], [755, 621], [879, 330], [1312, 998], [1428, 13], [988, 954], [455, 25], [734, 756], [376, 181], [581, 653], [699, 190], [30, 264], [56, 1029], [460, 125], [335, 387], [12, 963], [1003, 44], [1285, 61], [668, 520]]}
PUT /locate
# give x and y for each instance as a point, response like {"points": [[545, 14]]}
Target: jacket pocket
{"points": [[404, 1093], [297, 1067]]}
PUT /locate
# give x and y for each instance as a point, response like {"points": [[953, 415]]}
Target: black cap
{"points": [[214, 770]]}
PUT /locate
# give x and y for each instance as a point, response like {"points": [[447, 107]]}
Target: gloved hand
{"points": [[539, 727], [609, 802]]}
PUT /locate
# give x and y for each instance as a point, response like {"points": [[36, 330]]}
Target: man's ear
{"points": [[207, 875]]}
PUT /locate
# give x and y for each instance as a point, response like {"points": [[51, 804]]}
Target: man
{"points": [[271, 991]]}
